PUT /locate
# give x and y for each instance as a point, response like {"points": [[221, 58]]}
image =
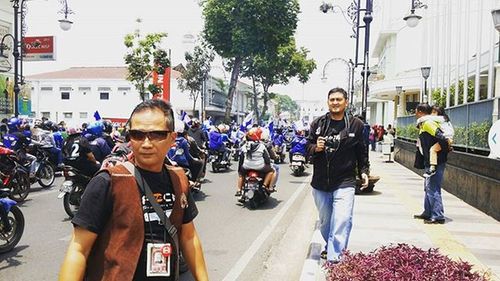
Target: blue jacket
{"points": [[278, 139], [184, 158], [299, 144], [215, 141], [58, 139]]}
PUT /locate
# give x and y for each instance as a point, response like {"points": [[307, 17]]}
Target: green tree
{"points": [[286, 103], [240, 29], [144, 56], [441, 100], [277, 67], [197, 69]]}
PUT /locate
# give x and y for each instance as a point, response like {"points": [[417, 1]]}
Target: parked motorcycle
{"points": [[13, 175], [254, 193], [11, 222], [298, 164], [72, 189]]}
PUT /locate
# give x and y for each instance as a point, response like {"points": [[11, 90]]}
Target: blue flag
{"points": [[97, 116]]}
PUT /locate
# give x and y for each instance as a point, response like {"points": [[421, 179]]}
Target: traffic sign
{"points": [[494, 139]]}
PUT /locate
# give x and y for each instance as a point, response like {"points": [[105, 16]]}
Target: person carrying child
{"points": [[441, 119]]}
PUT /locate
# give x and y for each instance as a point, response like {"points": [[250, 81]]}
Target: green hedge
{"points": [[475, 136]]}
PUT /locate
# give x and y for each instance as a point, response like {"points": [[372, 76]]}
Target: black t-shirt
{"points": [[335, 126], [97, 205], [75, 151]]}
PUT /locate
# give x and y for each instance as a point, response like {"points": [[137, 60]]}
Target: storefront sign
{"points": [[39, 48]]}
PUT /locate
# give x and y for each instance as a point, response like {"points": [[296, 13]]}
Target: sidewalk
{"points": [[386, 216]]}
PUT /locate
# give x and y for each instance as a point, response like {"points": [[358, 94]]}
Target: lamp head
{"points": [[426, 71], [399, 90], [65, 24], [324, 7], [412, 20], [496, 18]]}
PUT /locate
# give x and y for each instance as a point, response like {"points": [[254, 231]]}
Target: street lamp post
{"points": [[350, 78], [426, 72], [354, 12], [18, 45]]}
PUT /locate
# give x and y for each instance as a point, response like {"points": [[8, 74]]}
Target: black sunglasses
{"points": [[138, 135]]}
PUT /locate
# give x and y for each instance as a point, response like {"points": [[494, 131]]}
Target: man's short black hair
{"points": [[158, 104], [424, 108], [337, 90]]}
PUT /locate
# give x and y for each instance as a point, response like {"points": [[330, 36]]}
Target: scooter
{"points": [[219, 161], [298, 164], [280, 152], [254, 193]]}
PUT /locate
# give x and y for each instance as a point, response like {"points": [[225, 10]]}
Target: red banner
{"points": [[40, 48]]}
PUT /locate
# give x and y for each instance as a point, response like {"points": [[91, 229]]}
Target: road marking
{"points": [[245, 259]]}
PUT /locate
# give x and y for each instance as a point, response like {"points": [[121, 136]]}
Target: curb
{"points": [[311, 264]]}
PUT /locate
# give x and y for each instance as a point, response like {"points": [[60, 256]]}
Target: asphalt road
{"points": [[236, 240]]}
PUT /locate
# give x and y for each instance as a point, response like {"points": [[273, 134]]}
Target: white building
{"points": [[450, 37], [74, 94], [311, 109]]}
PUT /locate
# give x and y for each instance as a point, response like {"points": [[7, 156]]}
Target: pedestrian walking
{"points": [[339, 152], [430, 134], [121, 231]]}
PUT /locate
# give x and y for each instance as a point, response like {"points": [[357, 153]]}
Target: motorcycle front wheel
{"points": [[46, 175], [20, 187], [8, 240], [72, 200]]}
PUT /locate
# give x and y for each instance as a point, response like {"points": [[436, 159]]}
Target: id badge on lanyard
{"points": [[158, 259]]}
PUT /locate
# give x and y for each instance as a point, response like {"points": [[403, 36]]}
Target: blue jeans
{"points": [[335, 217], [433, 202]]}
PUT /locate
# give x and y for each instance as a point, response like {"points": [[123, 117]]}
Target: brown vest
{"points": [[117, 249]]}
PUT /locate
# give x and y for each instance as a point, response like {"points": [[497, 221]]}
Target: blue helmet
{"points": [[95, 129], [14, 124]]}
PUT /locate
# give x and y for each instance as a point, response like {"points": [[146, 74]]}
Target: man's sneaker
{"points": [[323, 255], [429, 174], [238, 193]]}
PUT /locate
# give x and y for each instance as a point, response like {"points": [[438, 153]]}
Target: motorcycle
{"points": [[72, 189], [254, 192], [11, 222], [13, 175], [298, 164], [280, 152], [235, 151], [218, 161], [40, 170]]}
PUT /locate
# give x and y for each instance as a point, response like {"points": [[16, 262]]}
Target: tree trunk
{"points": [[195, 98], [255, 100], [265, 97], [232, 89]]}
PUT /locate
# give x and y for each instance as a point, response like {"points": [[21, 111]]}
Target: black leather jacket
{"points": [[333, 170]]}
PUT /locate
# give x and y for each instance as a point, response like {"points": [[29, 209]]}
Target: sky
{"points": [[96, 37]]}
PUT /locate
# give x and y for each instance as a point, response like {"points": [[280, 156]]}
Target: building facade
{"points": [[73, 95], [456, 39]]}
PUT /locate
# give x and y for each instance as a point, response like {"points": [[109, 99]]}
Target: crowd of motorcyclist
{"points": [[87, 148]]}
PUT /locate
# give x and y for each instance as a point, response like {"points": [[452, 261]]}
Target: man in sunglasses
{"points": [[118, 234]]}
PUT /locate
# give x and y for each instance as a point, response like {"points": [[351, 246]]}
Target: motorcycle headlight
{"points": [[250, 194]]}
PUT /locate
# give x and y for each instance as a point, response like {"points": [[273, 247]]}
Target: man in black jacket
{"points": [[339, 152]]}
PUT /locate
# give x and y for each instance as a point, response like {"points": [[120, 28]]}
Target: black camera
{"points": [[332, 143]]}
